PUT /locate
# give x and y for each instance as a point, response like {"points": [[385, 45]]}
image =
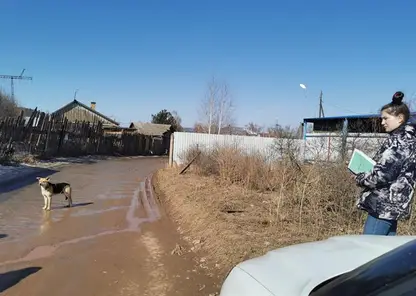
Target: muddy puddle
{"points": [[25, 222]]}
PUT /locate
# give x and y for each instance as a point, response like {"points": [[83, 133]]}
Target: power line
{"points": [[341, 108]]}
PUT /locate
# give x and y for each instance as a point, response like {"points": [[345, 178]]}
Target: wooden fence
{"points": [[42, 134]]}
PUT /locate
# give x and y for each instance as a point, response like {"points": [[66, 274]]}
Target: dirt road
{"points": [[114, 241]]}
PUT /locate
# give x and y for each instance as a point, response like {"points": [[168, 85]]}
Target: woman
{"points": [[388, 189]]}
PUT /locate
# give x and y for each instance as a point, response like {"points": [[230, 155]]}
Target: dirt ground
{"points": [[232, 224], [116, 240]]}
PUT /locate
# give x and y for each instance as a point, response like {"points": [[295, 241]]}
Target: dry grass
{"points": [[16, 159], [240, 207]]}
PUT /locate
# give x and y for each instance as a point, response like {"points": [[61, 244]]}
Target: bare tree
{"points": [[199, 128], [178, 120], [8, 106], [254, 128], [217, 108], [288, 132], [225, 107]]}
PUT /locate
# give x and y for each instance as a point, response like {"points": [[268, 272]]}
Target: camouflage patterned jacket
{"points": [[388, 189]]}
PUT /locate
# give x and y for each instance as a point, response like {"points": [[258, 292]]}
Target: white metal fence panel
{"points": [[328, 148], [322, 148], [250, 145]]}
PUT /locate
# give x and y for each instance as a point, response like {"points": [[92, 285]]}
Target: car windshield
{"points": [[392, 274]]}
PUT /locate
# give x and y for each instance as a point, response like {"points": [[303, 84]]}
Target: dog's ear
{"points": [[47, 179], [37, 178]]}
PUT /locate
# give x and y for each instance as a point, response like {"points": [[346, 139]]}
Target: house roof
{"points": [[189, 130], [235, 130], [351, 117], [226, 130], [76, 102], [313, 119], [150, 129], [27, 112]]}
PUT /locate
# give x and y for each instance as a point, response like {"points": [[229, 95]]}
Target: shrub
{"points": [[319, 195]]}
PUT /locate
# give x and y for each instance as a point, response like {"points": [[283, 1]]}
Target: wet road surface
{"points": [[116, 239]]}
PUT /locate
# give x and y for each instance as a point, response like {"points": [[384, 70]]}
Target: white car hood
{"points": [[296, 270]]}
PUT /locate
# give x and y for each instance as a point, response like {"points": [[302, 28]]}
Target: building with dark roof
{"points": [[356, 124], [151, 129], [157, 135]]}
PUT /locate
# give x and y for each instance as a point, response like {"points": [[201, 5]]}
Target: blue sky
{"points": [[135, 58]]}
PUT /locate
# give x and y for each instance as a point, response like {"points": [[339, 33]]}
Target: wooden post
{"points": [[62, 134], [344, 135], [171, 150], [31, 131], [99, 135], [43, 119], [328, 152], [48, 134]]}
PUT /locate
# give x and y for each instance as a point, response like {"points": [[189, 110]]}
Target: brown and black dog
{"points": [[49, 189]]}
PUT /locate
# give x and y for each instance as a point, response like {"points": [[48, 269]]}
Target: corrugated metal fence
{"points": [[185, 141], [325, 147]]}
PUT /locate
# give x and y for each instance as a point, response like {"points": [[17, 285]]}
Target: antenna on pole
{"points": [[75, 94], [13, 77]]}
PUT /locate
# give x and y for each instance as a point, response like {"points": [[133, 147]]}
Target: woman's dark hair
{"points": [[397, 107]]}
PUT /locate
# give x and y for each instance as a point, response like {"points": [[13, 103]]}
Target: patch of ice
{"points": [[12, 171]]}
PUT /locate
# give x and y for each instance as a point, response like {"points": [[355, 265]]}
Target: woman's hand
{"points": [[359, 179]]}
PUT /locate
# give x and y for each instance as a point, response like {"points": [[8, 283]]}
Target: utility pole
{"points": [[321, 107], [13, 77]]}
